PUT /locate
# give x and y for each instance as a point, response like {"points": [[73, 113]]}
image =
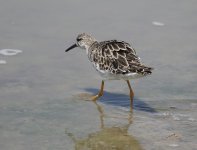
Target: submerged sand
{"points": [[43, 90]]}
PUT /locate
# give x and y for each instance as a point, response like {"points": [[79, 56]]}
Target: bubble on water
{"points": [[166, 114], [173, 145], [10, 52], [2, 62], [156, 23], [194, 105], [183, 115], [191, 119], [176, 118]]}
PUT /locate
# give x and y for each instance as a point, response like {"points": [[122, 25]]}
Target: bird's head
{"points": [[83, 41]]}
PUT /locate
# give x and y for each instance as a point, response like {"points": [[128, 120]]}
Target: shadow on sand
{"points": [[122, 100]]}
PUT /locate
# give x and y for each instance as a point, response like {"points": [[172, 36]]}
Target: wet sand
{"points": [[43, 90]]}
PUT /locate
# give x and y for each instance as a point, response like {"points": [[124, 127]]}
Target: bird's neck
{"points": [[91, 44]]}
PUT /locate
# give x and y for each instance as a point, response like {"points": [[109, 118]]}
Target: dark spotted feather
{"points": [[121, 58]]}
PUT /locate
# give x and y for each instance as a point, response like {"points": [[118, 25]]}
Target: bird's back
{"points": [[116, 58]]}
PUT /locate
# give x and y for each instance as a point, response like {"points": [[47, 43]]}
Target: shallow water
{"points": [[44, 91]]}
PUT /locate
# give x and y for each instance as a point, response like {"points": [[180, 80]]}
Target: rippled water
{"points": [[44, 91]]}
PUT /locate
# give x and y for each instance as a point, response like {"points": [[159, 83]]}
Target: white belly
{"points": [[106, 75], [110, 76]]}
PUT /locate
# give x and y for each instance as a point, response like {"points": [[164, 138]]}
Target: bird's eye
{"points": [[79, 39]]}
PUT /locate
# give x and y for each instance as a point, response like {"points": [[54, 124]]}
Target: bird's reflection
{"points": [[108, 138]]}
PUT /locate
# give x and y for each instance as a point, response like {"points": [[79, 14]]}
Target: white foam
{"points": [[10, 52], [2, 62], [156, 23]]}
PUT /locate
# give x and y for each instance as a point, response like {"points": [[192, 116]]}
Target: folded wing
{"points": [[121, 58]]}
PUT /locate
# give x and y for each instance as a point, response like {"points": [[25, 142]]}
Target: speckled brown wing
{"points": [[121, 58]]}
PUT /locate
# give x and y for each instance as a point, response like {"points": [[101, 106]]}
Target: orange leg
{"points": [[131, 93], [94, 98]]}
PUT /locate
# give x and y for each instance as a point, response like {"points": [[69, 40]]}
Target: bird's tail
{"points": [[144, 70]]}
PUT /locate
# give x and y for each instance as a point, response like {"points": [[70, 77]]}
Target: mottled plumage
{"points": [[113, 59], [116, 59]]}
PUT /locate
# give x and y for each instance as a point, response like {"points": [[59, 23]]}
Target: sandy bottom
{"points": [[45, 92]]}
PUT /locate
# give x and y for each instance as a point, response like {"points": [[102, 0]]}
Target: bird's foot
{"points": [[94, 98]]}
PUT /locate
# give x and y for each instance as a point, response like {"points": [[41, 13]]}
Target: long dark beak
{"points": [[73, 46]]}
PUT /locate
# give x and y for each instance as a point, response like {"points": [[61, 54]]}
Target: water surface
{"points": [[43, 90]]}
